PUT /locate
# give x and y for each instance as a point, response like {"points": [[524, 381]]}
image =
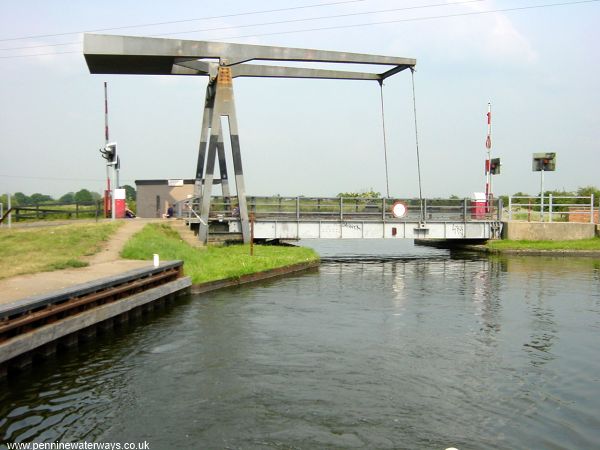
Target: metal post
{"points": [[465, 209], [592, 208], [488, 172], [297, 208], [550, 208], [542, 195], [113, 202], [424, 209], [208, 183], [510, 207], [9, 204], [341, 208], [383, 209], [252, 234], [223, 169], [228, 100], [500, 205], [207, 116]]}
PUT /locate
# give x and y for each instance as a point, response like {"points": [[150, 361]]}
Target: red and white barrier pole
{"points": [[106, 139], [488, 173]]}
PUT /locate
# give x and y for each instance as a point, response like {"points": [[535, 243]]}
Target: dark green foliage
{"points": [[366, 194], [83, 195], [130, 193], [69, 197], [40, 198], [586, 191], [20, 199]]}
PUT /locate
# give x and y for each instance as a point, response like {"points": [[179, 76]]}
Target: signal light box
{"points": [[545, 162], [495, 166]]}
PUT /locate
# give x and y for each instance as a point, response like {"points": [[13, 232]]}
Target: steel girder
{"points": [[157, 56]]}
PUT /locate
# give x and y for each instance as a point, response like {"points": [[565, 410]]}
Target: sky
{"points": [[539, 67]]}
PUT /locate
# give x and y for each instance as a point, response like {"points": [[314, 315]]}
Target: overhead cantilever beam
{"points": [[196, 67], [157, 56]]}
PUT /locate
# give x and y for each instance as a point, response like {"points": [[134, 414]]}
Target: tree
{"points": [[130, 193], [557, 200], [20, 199], [83, 195], [586, 191], [38, 198], [96, 196], [520, 200], [69, 197], [365, 194]]}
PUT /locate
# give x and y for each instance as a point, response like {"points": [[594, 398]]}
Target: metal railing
{"points": [[342, 208], [43, 211], [549, 208]]}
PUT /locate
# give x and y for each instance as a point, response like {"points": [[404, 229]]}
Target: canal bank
{"points": [[36, 326], [43, 312], [531, 238]]}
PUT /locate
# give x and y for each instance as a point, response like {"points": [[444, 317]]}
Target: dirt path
{"points": [[113, 249], [103, 264]]}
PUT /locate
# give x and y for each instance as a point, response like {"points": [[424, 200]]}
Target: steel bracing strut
{"points": [[222, 62]]}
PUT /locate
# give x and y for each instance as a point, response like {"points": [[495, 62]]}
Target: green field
{"points": [[212, 263], [583, 244], [50, 248]]}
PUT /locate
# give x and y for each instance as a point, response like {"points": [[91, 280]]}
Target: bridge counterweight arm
{"points": [[158, 56]]}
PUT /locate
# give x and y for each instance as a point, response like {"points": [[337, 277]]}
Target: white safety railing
{"points": [[342, 208], [549, 208]]}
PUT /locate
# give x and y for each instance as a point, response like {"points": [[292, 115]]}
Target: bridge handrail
{"points": [[344, 208], [552, 208]]}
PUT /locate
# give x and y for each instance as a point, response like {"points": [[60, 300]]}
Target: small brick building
{"points": [[155, 196]]}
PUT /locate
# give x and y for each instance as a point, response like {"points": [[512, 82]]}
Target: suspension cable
{"points": [[412, 74], [387, 181]]}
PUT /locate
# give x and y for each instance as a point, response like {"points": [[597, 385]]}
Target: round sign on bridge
{"points": [[399, 209]]}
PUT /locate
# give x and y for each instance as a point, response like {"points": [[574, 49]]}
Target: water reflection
{"points": [[411, 351]]}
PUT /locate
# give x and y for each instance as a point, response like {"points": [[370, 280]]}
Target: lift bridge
{"points": [[288, 218]]}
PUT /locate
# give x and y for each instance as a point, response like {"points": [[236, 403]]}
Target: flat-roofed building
{"points": [[155, 196]]}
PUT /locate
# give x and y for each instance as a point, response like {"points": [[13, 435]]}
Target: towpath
{"points": [[105, 263]]}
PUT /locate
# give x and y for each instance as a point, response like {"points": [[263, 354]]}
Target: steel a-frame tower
{"points": [[222, 62]]}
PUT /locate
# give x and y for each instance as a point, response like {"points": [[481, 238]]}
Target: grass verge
{"points": [[211, 263], [583, 244], [50, 248]]}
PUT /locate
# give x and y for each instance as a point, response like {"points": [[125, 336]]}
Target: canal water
{"points": [[387, 345]]}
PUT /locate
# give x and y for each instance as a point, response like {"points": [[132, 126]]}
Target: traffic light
{"points": [[109, 153], [544, 162], [495, 166]]}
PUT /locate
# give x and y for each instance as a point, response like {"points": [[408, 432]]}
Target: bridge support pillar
{"points": [[220, 102]]}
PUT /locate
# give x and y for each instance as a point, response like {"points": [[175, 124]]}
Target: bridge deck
{"points": [[356, 218]]}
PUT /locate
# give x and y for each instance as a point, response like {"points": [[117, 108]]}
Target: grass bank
{"points": [[576, 245], [50, 248], [212, 263]]}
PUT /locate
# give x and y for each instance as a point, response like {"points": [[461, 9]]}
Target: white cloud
{"points": [[505, 40], [488, 38]]}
